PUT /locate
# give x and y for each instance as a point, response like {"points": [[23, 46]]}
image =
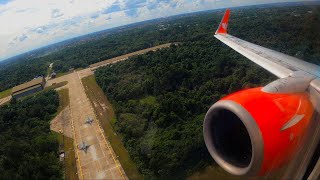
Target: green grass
{"points": [[62, 74], [70, 160], [113, 121], [218, 173], [68, 72], [5, 93], [150, 100], [106, 116], [70, 166], [213, 171], [79, 69], [56, 85], [63, 99]]}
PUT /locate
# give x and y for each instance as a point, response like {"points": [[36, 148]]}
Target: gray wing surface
{"points": [[295, 75], [277, 63]]}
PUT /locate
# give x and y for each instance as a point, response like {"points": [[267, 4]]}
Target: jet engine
{"points": [[252, 132]]}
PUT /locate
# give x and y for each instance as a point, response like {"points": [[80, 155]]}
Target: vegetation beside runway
{"points": [[64, 100], [70, 164], [5, 93], [57, 85], [66, 143]]}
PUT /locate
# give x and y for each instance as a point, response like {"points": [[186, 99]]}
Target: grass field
{"points": [[105, 113], [150, 100], [63, 99], [5, 93], [70, 166], [56, 85], [213, 171], [62, 74], [216, 172], [68, 72]]}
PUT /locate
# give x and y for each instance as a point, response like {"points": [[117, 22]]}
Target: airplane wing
{"points": [[275, 62]]}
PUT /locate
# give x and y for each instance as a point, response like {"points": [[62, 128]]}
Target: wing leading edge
{"points": [[275, 62]]}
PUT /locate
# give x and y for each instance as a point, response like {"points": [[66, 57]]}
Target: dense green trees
{"points": [[28, 150], [161, 97]]}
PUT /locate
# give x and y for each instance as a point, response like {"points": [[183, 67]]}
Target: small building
{"points": [[28, 88], [53, 75], [61, 156]]}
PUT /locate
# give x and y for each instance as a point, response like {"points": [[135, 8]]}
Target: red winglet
{"points": [[224, 23]]}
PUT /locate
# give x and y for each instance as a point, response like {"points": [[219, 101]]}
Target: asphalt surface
{"points": [[100, 161]]}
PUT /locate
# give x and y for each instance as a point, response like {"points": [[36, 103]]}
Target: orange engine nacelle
{"points": [[253, 132]]}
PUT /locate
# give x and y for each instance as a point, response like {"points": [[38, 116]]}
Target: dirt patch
{"points": [[61, 123], [5, 100]]}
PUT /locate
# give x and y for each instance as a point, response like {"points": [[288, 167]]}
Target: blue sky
{"points": [[30, 24]]}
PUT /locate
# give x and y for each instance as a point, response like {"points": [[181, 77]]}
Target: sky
{"points": [[30, 24]]}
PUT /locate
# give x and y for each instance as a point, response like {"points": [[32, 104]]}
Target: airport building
{"points": [[28, 88], [53, 75]]}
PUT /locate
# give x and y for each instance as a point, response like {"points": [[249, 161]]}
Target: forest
{"points": [[255, 24], [161, 97], [28, 149]]}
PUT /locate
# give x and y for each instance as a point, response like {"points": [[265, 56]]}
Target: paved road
{"points": [[126, 56], [100, 161], [5, 100]]}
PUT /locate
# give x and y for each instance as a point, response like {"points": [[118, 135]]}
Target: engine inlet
{"points": [[233, 138]]}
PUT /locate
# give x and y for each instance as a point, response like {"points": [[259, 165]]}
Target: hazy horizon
{"points": [[50, 22]]}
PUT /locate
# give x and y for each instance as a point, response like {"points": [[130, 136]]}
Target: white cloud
{"points": [[56, 13], [23, 37], [31, 24], [40, 30]]}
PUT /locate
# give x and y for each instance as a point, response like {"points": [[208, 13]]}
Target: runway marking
{"points": [[100, 129], [117, 165], [94, 152]]}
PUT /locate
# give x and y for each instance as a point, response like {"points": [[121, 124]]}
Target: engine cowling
{"points": [[253, 132]]}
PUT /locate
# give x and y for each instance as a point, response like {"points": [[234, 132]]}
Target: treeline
{"points": [[289, 29], [28, 150], [161, 97]]}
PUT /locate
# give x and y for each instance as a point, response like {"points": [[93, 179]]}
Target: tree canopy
{"points": [[28, 150]]}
